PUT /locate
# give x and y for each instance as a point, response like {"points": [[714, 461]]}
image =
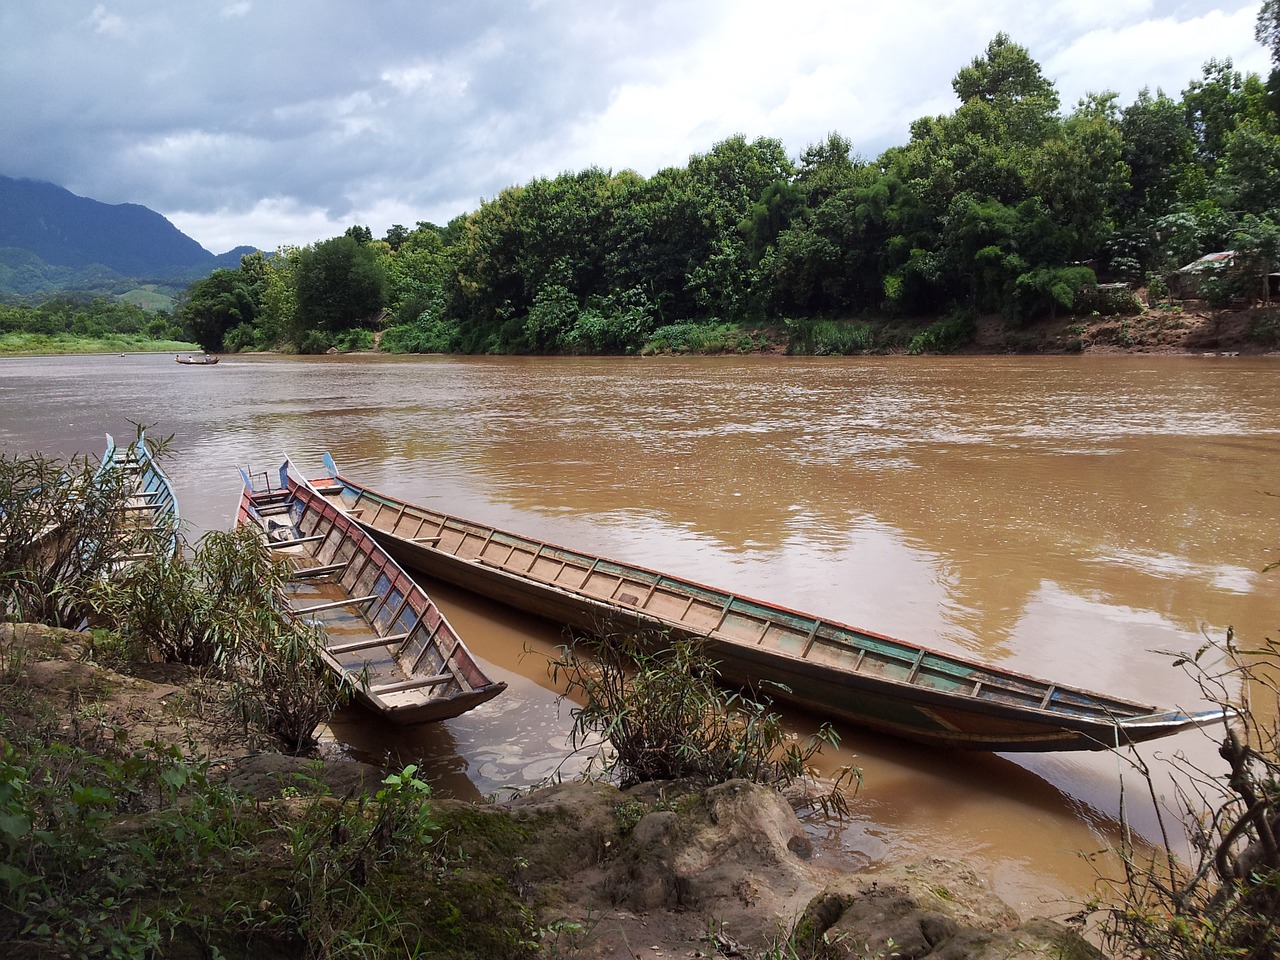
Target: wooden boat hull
{"points": [[826, 667], [149, 517], [383, 631]]}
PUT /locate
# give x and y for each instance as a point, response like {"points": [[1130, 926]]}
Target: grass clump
{"points": [[712, 336], [142, 854]]}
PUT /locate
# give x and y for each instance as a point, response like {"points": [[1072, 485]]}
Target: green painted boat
{"points": [[832, 669]]}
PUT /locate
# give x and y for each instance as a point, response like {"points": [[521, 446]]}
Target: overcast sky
{"points": [[268, 122]]}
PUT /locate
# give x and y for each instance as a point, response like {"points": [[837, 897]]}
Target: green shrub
{"points": [[425, 335], [223, 609], [840, 338], [944, 336], [659, 704], [242, 336], [355, 339], [315, 342], [1264, 328], [1046, 290], [708, 336], [1107, 299]]}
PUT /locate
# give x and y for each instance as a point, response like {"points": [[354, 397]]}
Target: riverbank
{"points": [[62, 344], [1189, 327], [570, 870]]}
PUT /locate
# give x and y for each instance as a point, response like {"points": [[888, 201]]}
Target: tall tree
{"points": [[827, 168], [1218, 103], [1158, 151], [1267, 31], [340, 282], [1081, 176], [214, 305], [1008, 79]]}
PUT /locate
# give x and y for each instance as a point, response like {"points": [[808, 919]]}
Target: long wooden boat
{"points": [[205, 361], [866, 678], [382, 630], [147, 513]]}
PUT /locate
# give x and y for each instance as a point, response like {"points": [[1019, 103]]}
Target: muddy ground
{"points": [[1187, 327], [658, 871]]}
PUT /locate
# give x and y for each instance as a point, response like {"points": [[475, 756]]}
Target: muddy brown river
{"points": [[1076, 518]]}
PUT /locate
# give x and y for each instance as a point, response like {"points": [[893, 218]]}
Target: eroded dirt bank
{"points": [[661, 870]]}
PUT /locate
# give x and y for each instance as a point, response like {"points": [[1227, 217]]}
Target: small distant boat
{"points": [[204, 361], [872, 680], [147, 521], [403, 657]]}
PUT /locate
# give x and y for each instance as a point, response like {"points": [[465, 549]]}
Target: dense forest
{"points": [[1011, 205]]}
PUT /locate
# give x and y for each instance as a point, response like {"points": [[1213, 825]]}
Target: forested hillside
{"points": [[1011, 205], [65, 230]]}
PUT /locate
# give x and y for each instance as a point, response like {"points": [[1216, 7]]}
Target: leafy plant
{"points": [[61, 534], [945, 336], [223, 608], [711, 336], [658, 703], [1224, 903]]}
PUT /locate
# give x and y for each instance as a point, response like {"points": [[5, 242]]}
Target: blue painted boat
{"points": [[147, 509]]}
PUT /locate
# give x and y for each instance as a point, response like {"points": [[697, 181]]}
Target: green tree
{"points": [[1158, 152], [340, 284], [397, 233], [214, 305], [656, 235], [980, 250], [418, 273], [729, 184], [1081, 176], [1008, 79], [279, 296], [552, 317], [1218, 103], [1267, 31], [1249, 178], [827, 168], [489, 293]]}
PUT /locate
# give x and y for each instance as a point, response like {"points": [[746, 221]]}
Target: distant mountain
{"points": [[65, 230], [51, 239]]}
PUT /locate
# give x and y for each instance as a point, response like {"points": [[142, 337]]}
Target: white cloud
{"points": [[110, 24], [416, 111], [1159, 53], [269, 223]]}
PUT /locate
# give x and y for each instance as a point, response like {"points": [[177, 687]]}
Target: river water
{"points": [[1076, 518]]}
